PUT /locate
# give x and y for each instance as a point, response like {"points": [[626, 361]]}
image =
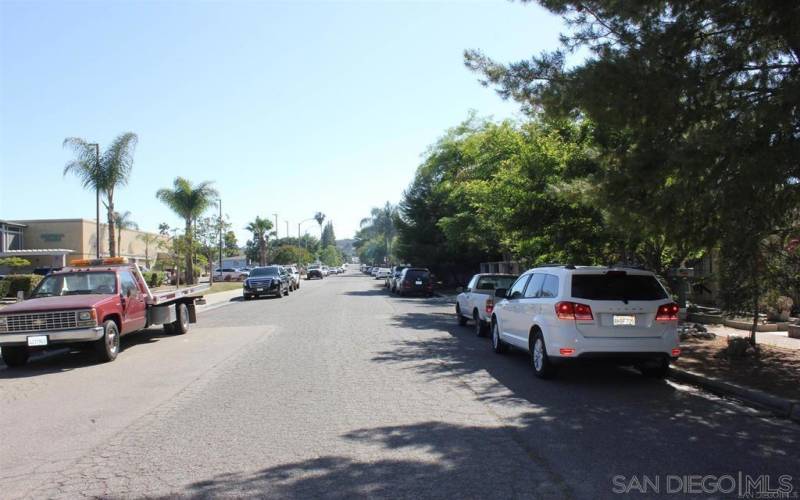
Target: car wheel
{"points": [[542, 366], [181, 323], [480, 326], [247, 297], [107, 346], [15, 356], [498, 346], [462, 321], [655, 369]]}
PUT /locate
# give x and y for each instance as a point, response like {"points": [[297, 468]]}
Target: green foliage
{"points": [[103, 172], [123, 221], [328, 235], [231, 246], [155, 278], [291, 254], [260, 228], [375, 239], [331, 256], [4, 287], [21, 282], [14, 262]]}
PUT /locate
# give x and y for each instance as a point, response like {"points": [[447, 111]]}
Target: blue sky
{"points": [[289, 107]]}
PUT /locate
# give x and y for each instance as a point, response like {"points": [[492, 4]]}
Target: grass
{"points": [[224, 286]]}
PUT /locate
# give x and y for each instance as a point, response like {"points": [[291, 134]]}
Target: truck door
{"points": [[134, 308]]}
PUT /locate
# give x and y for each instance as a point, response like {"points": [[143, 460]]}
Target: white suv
{"points": [[560, 313]]}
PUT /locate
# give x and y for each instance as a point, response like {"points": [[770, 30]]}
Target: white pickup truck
{"points": [[476, 301]]}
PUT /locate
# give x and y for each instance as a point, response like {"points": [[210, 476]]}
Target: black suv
{"points": [[269, 280]]}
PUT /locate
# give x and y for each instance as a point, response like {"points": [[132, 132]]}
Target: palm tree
{"points": [[104, 173], [188, 201], [149, 240], [380, 223], [320, 218], [260, 229], [123, 221]]}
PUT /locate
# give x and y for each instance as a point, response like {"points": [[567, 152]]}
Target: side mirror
{"points": [[500, 293], [460, 289]]}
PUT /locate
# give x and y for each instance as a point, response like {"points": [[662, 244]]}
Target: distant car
{"points": [[568, 313], [230, 274], [382, 273], [374, 271], [326, 270], [295, 275], [314, 271], [415, 281], [476, 300], [394, 277], [268, 280]]}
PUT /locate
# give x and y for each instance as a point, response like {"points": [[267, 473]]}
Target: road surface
{"points": [[343, 391]]}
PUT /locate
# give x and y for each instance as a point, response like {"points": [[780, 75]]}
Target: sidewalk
{"points": [[776, 339]]}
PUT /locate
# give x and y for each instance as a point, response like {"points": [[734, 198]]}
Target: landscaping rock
{"points": [[694, 331]]}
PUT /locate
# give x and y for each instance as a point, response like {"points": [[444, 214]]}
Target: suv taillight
{"points": [[489, 306], [667, 312], [573, 311]]}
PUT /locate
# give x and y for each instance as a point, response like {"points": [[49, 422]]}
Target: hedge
{"points": [[154, 278], [24, 282], [4, 285]]}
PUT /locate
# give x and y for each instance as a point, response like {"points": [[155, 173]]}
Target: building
{"points": [[54, 242]]}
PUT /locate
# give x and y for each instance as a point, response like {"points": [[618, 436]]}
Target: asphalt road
{"points": [[342, 391]]}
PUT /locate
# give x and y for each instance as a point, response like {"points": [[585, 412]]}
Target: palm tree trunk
{"points": [[189, 277], [119, 241], [112, 247]]}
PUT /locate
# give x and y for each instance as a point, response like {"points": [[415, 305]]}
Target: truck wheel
{"points": [[181, 324], [15, 356], [169, 328], [107, 346], [460, 317], [480, 326]]}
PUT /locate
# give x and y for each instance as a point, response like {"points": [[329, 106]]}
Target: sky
{"points": [[288, 107]]}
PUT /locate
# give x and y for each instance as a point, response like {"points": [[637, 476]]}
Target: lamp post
{"points": [[298, 229], [276, 226], [287, 228], [220, 235], [97, 199]]}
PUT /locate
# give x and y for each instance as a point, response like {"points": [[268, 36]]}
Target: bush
{"points": [[22, 282], [4, 285], [154, 279]]}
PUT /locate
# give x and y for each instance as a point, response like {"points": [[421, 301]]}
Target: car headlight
{"points": [[84, 316]]}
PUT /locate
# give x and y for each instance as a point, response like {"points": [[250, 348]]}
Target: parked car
{"points": [[415, 281], [92, 302], [230, 274], [564, 313], [382, 273], [267, 280], [476, 300], [314, 271], [294, 274], [393, 278], [326, 270]]}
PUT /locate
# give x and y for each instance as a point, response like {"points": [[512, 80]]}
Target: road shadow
{"points": [[71, 357], [367, 293]]}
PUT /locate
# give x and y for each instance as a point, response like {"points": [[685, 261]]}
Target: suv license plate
{"points": [[37, 340], [624, 320], [417, 282]]}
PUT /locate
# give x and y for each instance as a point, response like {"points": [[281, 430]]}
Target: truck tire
{"points": [[107, 346], [462, 321], [15, 356], [480, 326], [181, 324]]}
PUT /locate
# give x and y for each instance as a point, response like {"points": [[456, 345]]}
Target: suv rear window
{"points": [[616, 286], [417, 274]]}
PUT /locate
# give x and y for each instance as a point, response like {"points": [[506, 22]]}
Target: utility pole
{"points": [[287, 228], [97, 200], [276, 226], [220, 234]]}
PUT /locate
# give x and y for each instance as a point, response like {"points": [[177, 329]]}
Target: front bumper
{"points": [[54, 336]]}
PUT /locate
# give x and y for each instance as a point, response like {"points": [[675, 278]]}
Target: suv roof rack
{"points": [[555, 264]]}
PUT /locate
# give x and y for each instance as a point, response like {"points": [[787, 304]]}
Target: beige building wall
{"points": [[79, 235]]}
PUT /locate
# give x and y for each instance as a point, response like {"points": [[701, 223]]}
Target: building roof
{"points": [[34, 252], [11, 223]]}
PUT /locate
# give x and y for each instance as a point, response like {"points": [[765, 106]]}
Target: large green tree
{"points": [[189, 201], [328, 235], [103, 173], [695, 105], [123, 220], [260, 227]]}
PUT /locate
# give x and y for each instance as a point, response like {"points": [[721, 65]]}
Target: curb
{"points": [[782, 407]]}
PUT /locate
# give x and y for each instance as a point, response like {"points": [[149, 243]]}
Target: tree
{"points": [[123, 221], [231, 246], [188, 201], [320, 218], [695, 113], [380, 224], [331, 256], [149, 240], [163, 229], [14, 262], [260, 229], [291, 254], [328, 236], [104, 174]]}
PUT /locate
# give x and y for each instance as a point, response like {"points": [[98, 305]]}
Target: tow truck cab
{"points": [[92, 303]]}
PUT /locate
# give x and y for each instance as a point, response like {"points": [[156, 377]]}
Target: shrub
{"points": [[22, 282], [154, 278], [4, 286]]}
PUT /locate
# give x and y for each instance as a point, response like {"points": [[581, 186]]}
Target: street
{"points": [[342, 390]]}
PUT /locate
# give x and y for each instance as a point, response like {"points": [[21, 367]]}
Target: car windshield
{"points": [[417, 274], [77, 284], [264, 271], [495, 282], [617, 286]]}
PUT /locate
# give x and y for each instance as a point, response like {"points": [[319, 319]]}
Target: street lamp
{"points": [[97, 198], [298, 228], [276, 226]]}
